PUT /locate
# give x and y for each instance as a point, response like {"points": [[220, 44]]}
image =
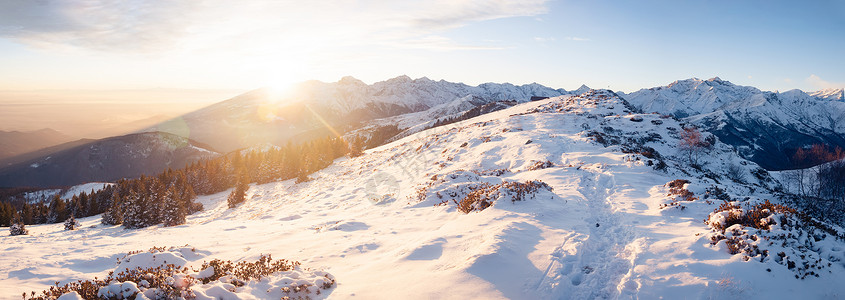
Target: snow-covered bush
{"points": [[484, 194], [18, 228], [475, 191], [71, 223], [768, 232], [143, 275]]}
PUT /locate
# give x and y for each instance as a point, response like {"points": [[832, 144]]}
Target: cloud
{"points": [[819, 83], [577, 39], [439, 43], [544, 39], [262, 26], [94, 24], [452, 13]]}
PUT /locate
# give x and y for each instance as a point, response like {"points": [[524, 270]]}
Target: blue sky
{"points": [[213, 45], [624, 45]]}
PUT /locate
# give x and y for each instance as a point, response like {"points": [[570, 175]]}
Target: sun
{"points": [[279, 87]]}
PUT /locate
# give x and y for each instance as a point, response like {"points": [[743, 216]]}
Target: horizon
{"points": [[177, 57]]}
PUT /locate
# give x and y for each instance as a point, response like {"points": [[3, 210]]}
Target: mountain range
{"points": [[318, 108], [764, 127]]}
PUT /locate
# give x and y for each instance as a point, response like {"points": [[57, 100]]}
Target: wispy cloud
{"points": [[577, 39], [158, 26], [819, 83], [544, 39], [439, 43]]}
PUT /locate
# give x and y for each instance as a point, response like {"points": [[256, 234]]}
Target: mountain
{"points": [[106, 160], [572, 197], [765, 127], [316, 108], [829, 94], [14, 143]]}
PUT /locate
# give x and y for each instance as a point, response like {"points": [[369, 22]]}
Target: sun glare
{"points": [[280, 88]]}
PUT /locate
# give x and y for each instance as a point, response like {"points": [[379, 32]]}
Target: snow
{"points": [[599, 231], [84, 188], [47, 194]]}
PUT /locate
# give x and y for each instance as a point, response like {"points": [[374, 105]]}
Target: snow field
{"points": [[599, 232]]}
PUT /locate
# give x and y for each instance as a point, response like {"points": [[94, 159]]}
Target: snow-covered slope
{"points": [[578, 206], [47, 194], [765, 127], [313, 108]]}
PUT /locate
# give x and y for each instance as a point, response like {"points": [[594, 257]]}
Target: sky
{"points": [[167, 57]]}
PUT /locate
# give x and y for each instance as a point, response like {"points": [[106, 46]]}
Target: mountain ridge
{"points": [[107, 159], [766, 127]]}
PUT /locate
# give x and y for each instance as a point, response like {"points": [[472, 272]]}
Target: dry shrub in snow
{"points": [[539, 165], [678, 192], [483, 195], [217, 279], [759, 216], [768, 232]]}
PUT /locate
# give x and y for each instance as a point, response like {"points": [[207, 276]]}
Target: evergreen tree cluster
{"points": [[150, 200], [167, 198], [288, 162], [56, 210]]}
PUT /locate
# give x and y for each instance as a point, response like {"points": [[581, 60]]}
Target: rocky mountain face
{"points": [[765, 127], [106, 160], [318, 108]]}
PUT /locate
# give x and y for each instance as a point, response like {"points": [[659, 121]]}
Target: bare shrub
{"points": [[692, 144]]}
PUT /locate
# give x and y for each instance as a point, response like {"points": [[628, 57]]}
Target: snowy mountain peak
{"points": [[582, 89], [829, 94], [349, 80], [738, 114], [400, 79]]}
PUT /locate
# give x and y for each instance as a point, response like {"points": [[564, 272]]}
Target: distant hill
{"points": [[104, 160], [14, 143]]}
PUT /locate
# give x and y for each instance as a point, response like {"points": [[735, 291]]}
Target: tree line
{"points": [[167, 198]]}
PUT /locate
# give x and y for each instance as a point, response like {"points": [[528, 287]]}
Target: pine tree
{"points": [[71, 223], [133, 210], [238, 195], [6, 214], [57, 211], [27, 214], [82, 205], [174, 209], [113, 214], [93, 206]]}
